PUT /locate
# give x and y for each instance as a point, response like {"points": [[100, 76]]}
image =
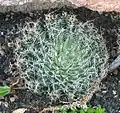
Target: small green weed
{"points": [[82, 110], [4, 90]]}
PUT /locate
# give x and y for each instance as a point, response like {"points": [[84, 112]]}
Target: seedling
{"points": [[4, 90], [82, 110]]}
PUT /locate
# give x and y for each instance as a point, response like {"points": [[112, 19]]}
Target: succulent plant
{"points": [[60, 57]]}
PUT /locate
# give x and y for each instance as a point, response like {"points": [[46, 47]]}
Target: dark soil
{"points": [[10, 25], [109, 95]]}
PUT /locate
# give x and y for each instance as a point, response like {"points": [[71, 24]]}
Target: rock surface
{"points": [[99, 5], [13, 2], [28, 5]]}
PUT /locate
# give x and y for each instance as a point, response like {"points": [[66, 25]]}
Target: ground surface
{"points": [[10, 25]]}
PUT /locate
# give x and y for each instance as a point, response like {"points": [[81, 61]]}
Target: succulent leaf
{"points": [[61, 57]]}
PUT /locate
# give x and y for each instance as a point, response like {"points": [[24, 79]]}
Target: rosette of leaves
{"points": [[60, 57]]}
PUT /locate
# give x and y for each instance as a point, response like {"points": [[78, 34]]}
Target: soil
{"points": [[10, 24]]}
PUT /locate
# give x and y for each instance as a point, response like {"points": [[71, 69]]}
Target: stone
{"points": [[20, 110], [28, 5], [99, 5]]}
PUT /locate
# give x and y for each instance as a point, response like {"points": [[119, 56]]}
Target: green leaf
{"points": [[73, 110], [63, 110], [4, 90], [67, 44], [82, 111], [100, 110], [90, 110]]}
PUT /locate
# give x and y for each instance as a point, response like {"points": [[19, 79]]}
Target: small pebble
{"points": [[3, 106], [20, 110], [104, 91], [114, 92], [2, 33], [115, 72], [12, 99], [115, 96], [2, 52]]}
